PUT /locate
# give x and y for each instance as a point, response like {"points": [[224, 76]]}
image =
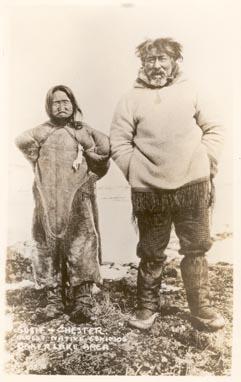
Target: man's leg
{"points": [[192, 229], [154, 235]]}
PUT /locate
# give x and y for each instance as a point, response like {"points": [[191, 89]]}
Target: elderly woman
{"points": [[68, 157]]}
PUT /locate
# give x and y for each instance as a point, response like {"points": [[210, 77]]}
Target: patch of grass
{"points": [[171, 347]]}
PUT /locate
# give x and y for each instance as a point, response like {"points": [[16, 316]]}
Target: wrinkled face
{"points": [[158, 67], [62, 107]]}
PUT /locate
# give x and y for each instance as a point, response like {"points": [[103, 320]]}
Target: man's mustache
{"points": [[160, 72]]}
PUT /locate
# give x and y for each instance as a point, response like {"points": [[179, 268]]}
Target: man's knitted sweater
{"points": [[164, 138]]}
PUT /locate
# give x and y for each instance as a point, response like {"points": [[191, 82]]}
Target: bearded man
{"points": [[67, 157], [167, 145]]}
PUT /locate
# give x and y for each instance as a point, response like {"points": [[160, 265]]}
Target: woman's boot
{"points": [[83, 303], [54, 307]]}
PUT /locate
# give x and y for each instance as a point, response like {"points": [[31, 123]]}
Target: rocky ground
{"points": [[109, 346]]}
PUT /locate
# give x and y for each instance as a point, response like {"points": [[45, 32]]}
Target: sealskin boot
{"points": [[144, 319], [148, 286], [83, 304], [195, 278], [54, 307]]}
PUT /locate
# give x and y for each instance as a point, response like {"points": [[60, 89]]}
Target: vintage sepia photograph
{"points": [[120, 250]]}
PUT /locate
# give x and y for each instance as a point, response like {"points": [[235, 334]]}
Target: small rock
{"points": [[37, 364]]}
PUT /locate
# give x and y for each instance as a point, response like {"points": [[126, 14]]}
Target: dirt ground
{"points": [[108, 346]]}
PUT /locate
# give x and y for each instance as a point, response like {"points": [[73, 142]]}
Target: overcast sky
{"points": [[91, 49]]}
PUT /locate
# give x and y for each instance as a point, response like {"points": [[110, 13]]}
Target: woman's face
{"points": [[62, 107]]}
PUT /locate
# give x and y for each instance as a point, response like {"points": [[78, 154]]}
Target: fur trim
{"points": [[189, 196]]}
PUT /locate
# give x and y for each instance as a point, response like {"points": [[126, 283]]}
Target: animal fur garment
{"points": [[65, 225]]}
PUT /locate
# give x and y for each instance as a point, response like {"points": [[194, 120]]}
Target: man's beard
{"points": [[149, 78], [158, 78]]}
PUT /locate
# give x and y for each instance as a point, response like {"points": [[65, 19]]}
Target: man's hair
{"points": [[68, 92], [166, 45]]}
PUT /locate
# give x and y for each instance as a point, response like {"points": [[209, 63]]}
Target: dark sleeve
{"points": [[97, 157], [29, 145]]}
